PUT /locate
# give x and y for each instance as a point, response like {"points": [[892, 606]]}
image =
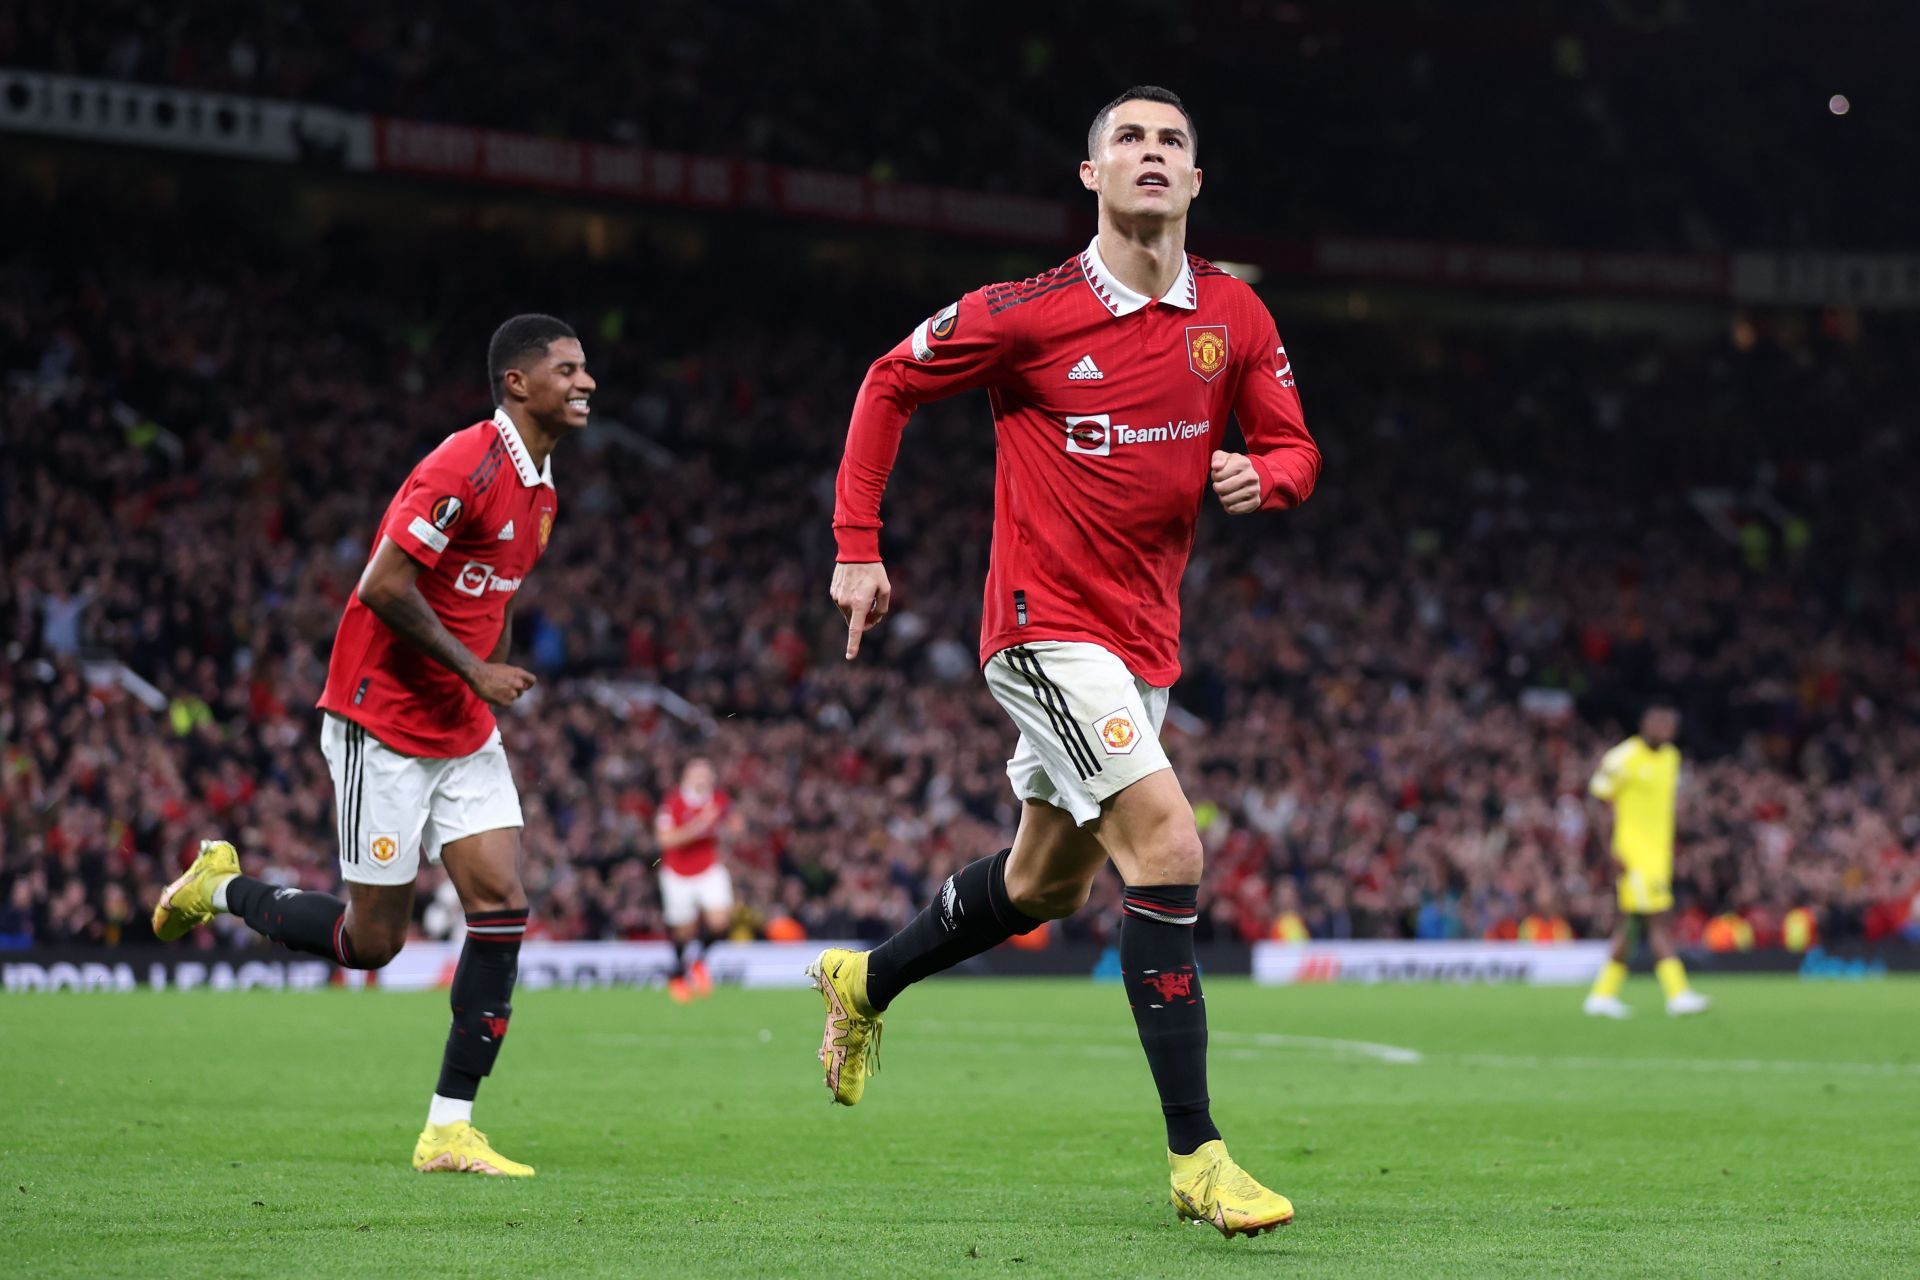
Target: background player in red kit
{"points": [[418, 665], [696, 893], [1111, 379]]}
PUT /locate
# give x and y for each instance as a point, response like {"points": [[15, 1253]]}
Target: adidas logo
{"points": [[1085, 371], [506, 532]]}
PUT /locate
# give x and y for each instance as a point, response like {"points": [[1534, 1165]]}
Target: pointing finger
{"points": [[857, 623]]}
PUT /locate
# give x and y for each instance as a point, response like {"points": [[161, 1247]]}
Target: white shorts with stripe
{"points": [[393, 808], [1089, 728]]}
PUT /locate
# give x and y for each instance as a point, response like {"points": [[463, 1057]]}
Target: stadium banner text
{"points": [[111, 969], [428, 965], [1536, 964], [316, 136]]}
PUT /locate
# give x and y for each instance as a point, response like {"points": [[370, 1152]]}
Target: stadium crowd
{"points": [[1684, 116], [1392, 699]]}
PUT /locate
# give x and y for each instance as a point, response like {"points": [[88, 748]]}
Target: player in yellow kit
{"points": [[1640, 779]]}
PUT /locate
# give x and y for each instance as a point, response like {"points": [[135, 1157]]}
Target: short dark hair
{"points": [[518, 339], [1141, 93]]}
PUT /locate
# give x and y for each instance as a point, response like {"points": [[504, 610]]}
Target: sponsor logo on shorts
{"points": [[1118, 736], [383, 847]]}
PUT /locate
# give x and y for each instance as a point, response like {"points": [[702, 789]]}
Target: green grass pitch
{"points": [[1012, 1131]]}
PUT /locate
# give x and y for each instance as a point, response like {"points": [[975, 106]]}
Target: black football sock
{"points": [[679, 957], [315, 923], [1156, 962], [482, 999], [971, 914]]}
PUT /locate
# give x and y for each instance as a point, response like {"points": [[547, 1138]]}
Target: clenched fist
{"points": [[1235, 482]]}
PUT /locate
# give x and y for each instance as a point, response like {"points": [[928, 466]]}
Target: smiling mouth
{"points": [[578, 402]]}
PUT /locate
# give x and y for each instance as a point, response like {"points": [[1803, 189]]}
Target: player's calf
{"points": [[1169, 1011], [972, 913], [482, 1002], [316, 923]]}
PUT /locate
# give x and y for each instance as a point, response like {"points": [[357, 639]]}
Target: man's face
{"points": [[1143, 164], [557, 386], [1660, 726], [697, 780]]}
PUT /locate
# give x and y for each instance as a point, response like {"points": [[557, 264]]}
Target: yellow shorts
{"points": [[1646, 890]]}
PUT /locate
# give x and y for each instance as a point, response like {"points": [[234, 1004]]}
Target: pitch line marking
{"points": [[1393, 1053], [1247, 1044], [1253, 1044]]}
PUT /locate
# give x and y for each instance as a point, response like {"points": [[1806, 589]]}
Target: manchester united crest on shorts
{"points": [[384, 847], [1207, 350], [1118, 737]]}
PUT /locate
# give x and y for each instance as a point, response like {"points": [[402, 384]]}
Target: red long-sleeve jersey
{"points": [[476, 515], [1108, 406]]}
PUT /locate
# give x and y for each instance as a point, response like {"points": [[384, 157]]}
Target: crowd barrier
{"points": [[549, 965]]}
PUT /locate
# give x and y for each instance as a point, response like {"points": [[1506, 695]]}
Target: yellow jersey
{"points": [[1641, 783]]}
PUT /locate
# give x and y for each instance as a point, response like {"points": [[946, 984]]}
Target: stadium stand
{"points": [[1392, 699]]}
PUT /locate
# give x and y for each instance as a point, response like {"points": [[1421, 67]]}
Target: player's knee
{"points": [[375, 948], [505, 893], [1175, 854]]}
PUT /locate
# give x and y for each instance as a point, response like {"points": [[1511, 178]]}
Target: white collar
{"points": [[1122, 301], [517, 450]]}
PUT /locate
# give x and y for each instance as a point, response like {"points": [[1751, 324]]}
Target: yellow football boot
{"points": [[461, 1148], [1209, 1187], [850, 1048], [188, 901]]}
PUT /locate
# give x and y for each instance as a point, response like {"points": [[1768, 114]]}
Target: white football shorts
{"points": [[684, 898], [1089, 728], [392, 808]]}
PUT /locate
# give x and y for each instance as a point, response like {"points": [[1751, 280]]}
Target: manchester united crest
{"points": [[384, 847], [1207, 350], [546, 528], [1117, 734]]}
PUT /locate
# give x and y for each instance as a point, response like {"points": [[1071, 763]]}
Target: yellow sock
{"points": [[1611, 979], [1672, 975]]}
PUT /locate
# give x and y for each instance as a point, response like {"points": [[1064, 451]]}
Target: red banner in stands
{"points": [[636, 173]]}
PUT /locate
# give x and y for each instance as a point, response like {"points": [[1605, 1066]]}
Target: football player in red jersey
{"points": [[418, 666], [696, 893], [1111, 379]]}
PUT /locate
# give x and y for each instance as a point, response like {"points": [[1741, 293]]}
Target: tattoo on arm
{"points": [[414, 620]]}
